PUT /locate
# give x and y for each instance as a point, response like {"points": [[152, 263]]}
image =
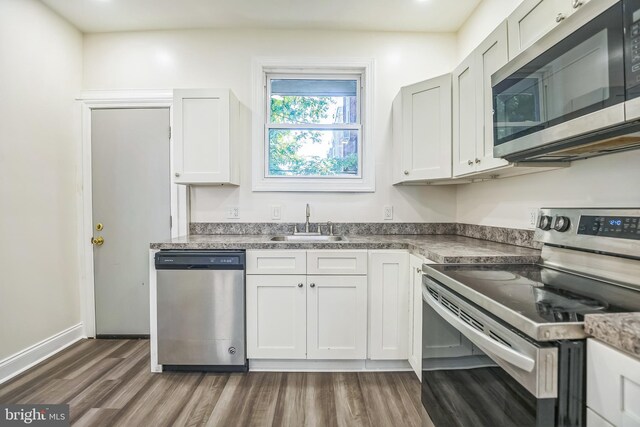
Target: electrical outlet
{"points": [[276, 212], [533, 218], [233, 213], [388, 212]]}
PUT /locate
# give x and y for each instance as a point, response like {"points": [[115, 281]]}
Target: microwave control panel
{"points": [[632, 41], [620, 227]]}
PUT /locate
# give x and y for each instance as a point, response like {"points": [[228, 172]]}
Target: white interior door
{"points": [[131, 195]]}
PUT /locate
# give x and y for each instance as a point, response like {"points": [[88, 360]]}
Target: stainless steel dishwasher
{"points": [[201, 310]]}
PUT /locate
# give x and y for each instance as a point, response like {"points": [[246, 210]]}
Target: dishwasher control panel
{"points": [[187, 260]]}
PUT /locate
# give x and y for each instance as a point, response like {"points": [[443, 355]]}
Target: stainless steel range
{"points": [[503, 344]]}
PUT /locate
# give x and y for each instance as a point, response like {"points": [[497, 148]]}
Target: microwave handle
{"points": [[500, 350]]}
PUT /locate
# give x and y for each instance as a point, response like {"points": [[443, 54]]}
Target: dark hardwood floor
{"points": [[108, 383]]}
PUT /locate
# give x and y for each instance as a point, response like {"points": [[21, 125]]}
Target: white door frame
{"points": [[179, 193]]}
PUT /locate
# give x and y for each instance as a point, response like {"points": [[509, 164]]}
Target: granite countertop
{"points": [[620, 330], [440, 248]]}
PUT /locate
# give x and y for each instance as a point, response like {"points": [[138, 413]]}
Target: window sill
{"points": [[336, 185]]}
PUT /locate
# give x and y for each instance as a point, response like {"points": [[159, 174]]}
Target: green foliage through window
{"points": [[306, 143]]}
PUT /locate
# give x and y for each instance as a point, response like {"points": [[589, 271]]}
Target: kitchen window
{"points": [[313, 134]]}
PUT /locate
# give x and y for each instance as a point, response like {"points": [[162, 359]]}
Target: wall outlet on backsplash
{"points": [[388, 212], [276, 212], [233, 213], [533, 218]]}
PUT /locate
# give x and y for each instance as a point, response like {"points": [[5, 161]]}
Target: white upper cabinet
{"points": [[464, 116], [422, 131], [473, 107], [490, 56], [205, 136], [535, 18]]}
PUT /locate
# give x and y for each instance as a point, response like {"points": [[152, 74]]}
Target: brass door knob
{"points": [[98, 241]]}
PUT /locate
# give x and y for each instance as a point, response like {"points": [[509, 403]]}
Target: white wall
{"points": [[41, 69], [222, 58], [610, 181]]}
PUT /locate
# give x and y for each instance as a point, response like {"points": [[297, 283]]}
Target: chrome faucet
{"points": [[306, 225]]}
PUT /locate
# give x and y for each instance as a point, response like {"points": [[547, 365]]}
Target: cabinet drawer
{"points": [[276, 262], [613, 384], [337, 262]]}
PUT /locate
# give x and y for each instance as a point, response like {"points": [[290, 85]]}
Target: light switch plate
{"points": [[388, 212], [276, 212], [233, 213]]}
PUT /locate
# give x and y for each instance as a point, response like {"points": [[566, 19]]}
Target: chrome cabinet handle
{"points": [[406, 172], [478, 161], [470, 162], [313, 285], [560, 17], [418, 270], [177, 174], [577, 3], [300, 285]]}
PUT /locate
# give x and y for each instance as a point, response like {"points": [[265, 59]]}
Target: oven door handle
{"points": [[505, 353]]}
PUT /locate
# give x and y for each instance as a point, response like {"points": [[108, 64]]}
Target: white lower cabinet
{"points": [[276, 317], [388, 305], [415, 313], [337, 317], [613, 386], [300, 316]]}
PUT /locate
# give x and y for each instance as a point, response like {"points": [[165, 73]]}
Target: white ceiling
{"points": [[382, 15]]}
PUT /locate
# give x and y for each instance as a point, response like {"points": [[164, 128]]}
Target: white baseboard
{"points": [[25, 359], [304, 365]]}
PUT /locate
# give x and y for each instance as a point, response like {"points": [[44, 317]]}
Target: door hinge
{"points": [[169, 132], [170, 221]]}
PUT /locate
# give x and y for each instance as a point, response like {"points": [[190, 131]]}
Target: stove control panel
{"points": [[613, 231], [621, 227]]}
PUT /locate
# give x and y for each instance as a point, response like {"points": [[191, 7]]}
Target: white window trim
{"points": [[365, 66]]}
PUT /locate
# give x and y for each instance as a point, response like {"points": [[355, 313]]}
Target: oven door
{"points": [[478, 372], [570, 83]]}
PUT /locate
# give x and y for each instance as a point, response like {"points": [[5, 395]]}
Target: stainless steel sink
{"points": [[308, 239]]}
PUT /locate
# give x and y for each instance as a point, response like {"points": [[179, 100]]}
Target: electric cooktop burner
{"points": [[541, 294]]}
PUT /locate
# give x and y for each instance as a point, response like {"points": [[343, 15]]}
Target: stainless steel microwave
{"points": [[576, 92]]}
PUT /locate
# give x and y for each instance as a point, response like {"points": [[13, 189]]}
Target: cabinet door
{"points": [[337, 317], [388, 305], [490, 56], [426, 130], [415, 314], [204, 121], [532, 20], [464, 117], [613, 384], [276, 317]]}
